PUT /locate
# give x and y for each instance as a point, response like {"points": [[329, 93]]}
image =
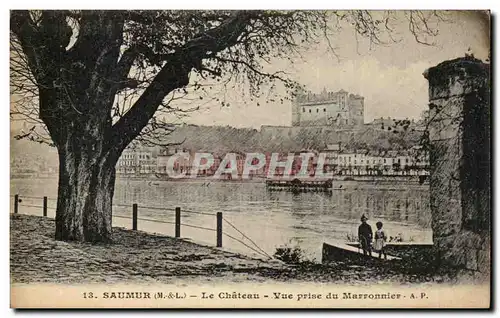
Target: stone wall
{"points": [[459, 135]]}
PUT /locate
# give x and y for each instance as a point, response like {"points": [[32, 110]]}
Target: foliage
{"points": [[352, 238], [290, 254]]}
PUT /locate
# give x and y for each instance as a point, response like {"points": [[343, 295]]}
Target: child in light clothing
{"points": [[380, 239]]}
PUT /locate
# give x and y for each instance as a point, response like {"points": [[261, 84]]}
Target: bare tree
{"points": [[99, 77]]}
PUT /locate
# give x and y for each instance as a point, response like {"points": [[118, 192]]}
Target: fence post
{"points": [[177, 222], [16, 203], [219, 229], [44, 206], [134, 217]]}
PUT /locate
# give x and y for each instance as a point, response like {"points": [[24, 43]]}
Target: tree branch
{"points": [[175, 74]]}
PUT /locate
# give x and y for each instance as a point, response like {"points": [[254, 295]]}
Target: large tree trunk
{"points": [[85, 194]]}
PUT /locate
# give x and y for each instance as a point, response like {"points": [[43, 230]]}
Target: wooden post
{"points": [[16, 203], [219, 229], [134, 217], [44, 206], [177, 222]]}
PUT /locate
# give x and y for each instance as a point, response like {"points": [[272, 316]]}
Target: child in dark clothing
{"points": [[365, 235]]}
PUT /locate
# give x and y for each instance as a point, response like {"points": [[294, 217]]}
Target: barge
{"points": [[297, 185]]}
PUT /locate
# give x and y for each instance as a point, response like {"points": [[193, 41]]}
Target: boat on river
{"points": [[299, 185], [402, 249], [338, 251]]}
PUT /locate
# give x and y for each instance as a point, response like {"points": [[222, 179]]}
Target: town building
{"points": [[181, 165], [136, 161], [383, 123], [363, 162]]}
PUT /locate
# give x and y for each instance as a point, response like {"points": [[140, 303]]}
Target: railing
{"points": [[18, 201]]}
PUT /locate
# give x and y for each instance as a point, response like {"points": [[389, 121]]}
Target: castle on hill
{"points": [[335, 109]]}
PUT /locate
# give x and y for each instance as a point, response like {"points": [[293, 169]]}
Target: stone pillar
{"points": [[459, 135]]}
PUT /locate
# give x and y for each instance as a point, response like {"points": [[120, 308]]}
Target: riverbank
{"points": [[137, 256]]}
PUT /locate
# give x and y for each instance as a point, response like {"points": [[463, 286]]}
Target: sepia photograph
{"points": [[250, 159]]}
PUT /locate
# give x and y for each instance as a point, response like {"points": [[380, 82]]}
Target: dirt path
{"points": [[139, 257], [134, 256]]}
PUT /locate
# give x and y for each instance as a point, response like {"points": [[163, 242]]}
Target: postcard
{"points": [[250, 159]]}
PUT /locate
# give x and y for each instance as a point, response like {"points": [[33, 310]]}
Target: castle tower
{"points": [[295, 113], [300, 95], [357, 109]]}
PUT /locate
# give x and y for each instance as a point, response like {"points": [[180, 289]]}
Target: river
{"points": [[268, 218]]}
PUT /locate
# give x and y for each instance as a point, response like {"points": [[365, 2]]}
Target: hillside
{"points": [[284, 139], [218, 139]]}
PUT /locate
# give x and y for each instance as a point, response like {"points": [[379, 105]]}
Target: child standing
{"points": [[380, 239], [365, 235]]}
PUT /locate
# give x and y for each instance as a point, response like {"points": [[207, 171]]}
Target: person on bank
{"points": [[365, 235], [380, 239]]}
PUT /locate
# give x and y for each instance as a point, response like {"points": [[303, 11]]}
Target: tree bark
{"points": [[85, 193]]}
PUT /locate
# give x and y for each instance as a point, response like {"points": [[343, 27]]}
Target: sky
{"points": [[389, 76]]}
